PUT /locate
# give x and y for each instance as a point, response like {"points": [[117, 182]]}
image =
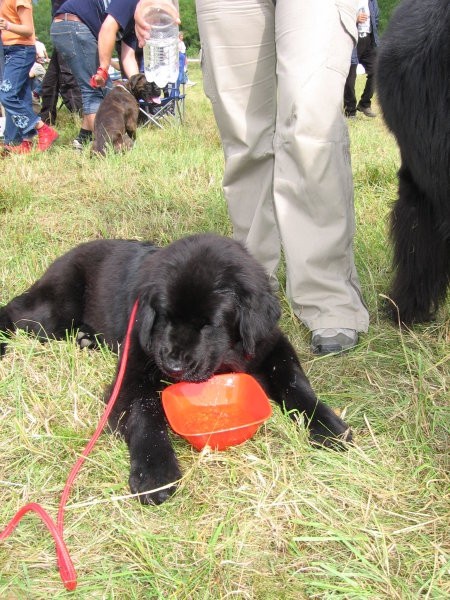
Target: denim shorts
{"points": [[78, 47]]}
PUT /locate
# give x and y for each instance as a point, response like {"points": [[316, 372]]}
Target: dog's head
{"points": [[205, 308], [143, 89]]}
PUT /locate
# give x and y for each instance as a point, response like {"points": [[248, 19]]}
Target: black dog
{"points": [[413, 87], [205, 307], [117, 117]]}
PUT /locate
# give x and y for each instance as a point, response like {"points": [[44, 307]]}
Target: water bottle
{"points": [[362, 27], [161, 62]]}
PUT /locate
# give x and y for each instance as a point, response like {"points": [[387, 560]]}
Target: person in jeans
{"points": [[365, 54], [74, 32], [19, 50], [58, 80], [275, 74]]}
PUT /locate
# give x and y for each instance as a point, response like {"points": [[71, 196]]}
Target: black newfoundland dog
{"points": [[205, 307], [413, 78]]}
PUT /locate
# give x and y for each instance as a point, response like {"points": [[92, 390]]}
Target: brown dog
{"points": [[116, 119]]}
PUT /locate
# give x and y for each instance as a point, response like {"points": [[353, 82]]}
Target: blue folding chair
{"points": [[171, 111]]}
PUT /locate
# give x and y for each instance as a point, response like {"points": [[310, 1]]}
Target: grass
{"points": [[274, 518]]}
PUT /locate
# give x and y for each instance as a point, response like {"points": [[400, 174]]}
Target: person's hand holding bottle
{"points": [[142, 24]]}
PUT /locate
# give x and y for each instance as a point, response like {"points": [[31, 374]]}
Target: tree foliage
{"points": [[42, 15], [42, 20], [189, 26]]}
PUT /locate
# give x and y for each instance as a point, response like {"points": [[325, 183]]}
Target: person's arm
{"points": [[106, 41], [142, 27], [128, 58], [26, 27]]}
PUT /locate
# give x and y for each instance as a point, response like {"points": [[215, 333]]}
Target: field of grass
{"points": [[271, 519]]}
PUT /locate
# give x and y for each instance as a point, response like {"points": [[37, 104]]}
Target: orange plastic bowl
{"points": [[224, 411]]}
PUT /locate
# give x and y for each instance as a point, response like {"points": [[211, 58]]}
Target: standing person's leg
{"points": [[368, 61], [69, 88], [78, 47], [349, 93], [238, 62], [50, 91], [2, 59], [313, 186], [15, 94]]}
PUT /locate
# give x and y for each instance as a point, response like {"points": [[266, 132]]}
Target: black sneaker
{"points": [[81, 140]]}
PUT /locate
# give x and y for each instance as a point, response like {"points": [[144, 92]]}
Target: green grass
{"points": [[274, 518]]}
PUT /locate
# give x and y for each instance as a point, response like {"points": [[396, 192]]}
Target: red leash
{"points": [[65, 565]]}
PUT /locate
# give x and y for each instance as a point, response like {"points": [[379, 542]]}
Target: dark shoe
{"points": [[46, 136], [82, 140], [366, 110], [331, 340], [23, 148]]}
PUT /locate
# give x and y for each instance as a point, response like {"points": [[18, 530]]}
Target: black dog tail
{"points": [[6, 327], [421, 254]]}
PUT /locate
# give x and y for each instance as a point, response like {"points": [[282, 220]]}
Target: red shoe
{"points": [[24, 148], [46, 136]]}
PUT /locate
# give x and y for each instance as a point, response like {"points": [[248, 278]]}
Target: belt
{"points": [[67, 17]]}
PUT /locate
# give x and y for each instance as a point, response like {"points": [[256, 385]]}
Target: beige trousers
{"points": [[275, 73]]}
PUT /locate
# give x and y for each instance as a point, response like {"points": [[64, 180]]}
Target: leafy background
{"points": [[42, 18]]}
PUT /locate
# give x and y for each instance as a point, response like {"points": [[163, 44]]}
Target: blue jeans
{"points": [[79, 49], [15, 93]]}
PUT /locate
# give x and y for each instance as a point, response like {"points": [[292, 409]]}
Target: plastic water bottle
{"points": [[161, 61], [362, 27]]}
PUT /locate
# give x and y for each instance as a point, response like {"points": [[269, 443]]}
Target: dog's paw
{"points": [[155, 486], [330, 431], [87, 338]]}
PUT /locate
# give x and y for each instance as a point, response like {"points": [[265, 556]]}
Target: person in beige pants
{"points": [[275, 72]]}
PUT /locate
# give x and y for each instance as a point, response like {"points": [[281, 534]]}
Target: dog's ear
{"points": [[134, 79], [258, 315], [145, 319]]}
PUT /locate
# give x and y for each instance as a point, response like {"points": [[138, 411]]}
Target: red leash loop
{"points": [[66, 569]]}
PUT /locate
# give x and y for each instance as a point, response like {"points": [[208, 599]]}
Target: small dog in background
{"points": [[117, 117]]}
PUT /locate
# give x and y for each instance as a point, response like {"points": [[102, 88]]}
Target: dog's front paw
{"points": [[330, 431], [87, 338], [154, 486]]}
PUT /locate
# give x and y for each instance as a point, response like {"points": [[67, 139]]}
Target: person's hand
{"points": [[4, 24], [361, 17], [99, 79], [142, 27]]}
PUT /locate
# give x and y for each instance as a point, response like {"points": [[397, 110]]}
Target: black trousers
{"points": [[366, 56], [58, 81]]}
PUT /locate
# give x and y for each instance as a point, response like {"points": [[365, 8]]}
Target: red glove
{"points": [[99, 79]]}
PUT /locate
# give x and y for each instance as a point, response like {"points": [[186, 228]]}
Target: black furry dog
{"points": [[413, 75], [117, 117], [205, 307]]}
